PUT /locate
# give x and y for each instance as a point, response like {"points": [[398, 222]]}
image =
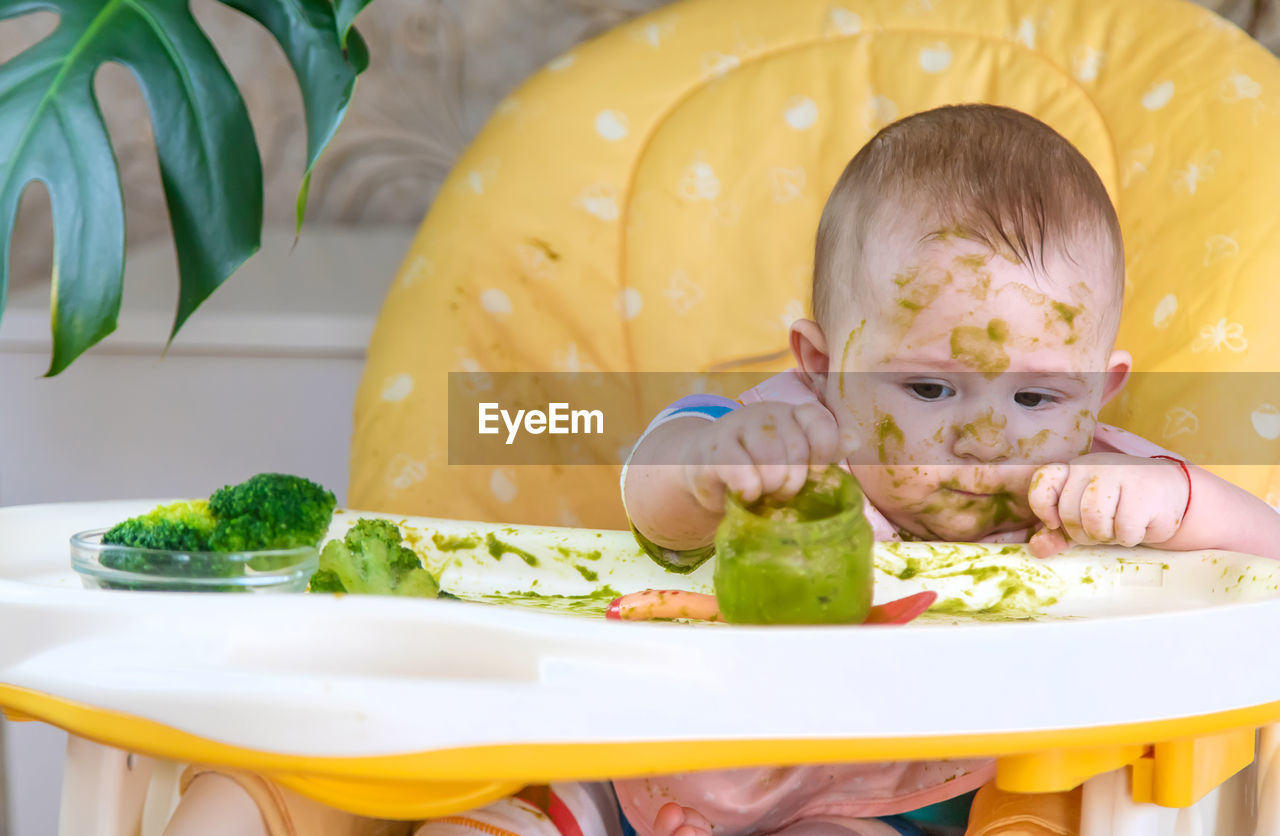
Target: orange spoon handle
{"points": [[698, 606]]}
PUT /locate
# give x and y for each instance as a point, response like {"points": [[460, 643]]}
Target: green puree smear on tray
{"points": [[594, 604], [809, 560], [1006, 585], [497, 548], [455, 542]]}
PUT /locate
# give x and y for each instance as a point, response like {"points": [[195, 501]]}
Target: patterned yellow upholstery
{"points": [[648, 202]]}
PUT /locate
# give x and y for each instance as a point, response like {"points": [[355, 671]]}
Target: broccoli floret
{"points": [[182, 526], [270, 511], [179, 527], [326, 580], [372, 560]]}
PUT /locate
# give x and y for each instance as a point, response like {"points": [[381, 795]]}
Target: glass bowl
{"points": [[108, 566]]}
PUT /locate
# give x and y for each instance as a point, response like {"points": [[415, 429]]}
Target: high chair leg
{"points": [[1231, 808], [102, 790], [162, 797], [1268, 766], [1108, 809], [1197, 820]]}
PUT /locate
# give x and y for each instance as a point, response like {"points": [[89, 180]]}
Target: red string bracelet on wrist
{"points": [[1185, 472]]}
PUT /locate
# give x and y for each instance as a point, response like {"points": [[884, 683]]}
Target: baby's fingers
{"points": [[742, 479], [799, 454], [1046, 489], [820, 430], [729, 468], [1047, 542], [1132, 519], [1071, 509], [780, 452], [1098, 507]]}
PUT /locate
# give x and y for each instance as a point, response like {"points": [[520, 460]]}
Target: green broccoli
{"points": [[267, 511], [372, 560], [182, 526], [270, 511]]}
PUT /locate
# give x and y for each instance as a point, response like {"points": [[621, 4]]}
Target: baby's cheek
{"points": [[1044, 446], [1016, 481], [900, 481], [890, 441], [1082, 429], [1075, 439], [852, 429], [856, 420], [1059, 439], [894, 488]]}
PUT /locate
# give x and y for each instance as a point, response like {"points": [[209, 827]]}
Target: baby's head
{"points": [[968, 279]]}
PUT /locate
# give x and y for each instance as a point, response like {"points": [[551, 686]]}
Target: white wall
{"points": [[263, 379]]}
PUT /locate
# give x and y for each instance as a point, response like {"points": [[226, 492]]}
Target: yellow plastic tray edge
{"points": [[540, 762]]}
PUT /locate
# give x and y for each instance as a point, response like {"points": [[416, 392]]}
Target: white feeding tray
{"points": [[1096, 637]]}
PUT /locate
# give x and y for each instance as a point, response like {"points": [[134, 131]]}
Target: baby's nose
{"points": [[983, 438]]}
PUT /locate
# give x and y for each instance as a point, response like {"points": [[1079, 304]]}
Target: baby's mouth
{"points": [[952, 489]]}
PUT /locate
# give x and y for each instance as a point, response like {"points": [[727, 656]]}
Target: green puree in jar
{"points": [[804, 561]]}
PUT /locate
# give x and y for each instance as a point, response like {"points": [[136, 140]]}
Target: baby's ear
{"points": [[1118, 367], [809, 345]]}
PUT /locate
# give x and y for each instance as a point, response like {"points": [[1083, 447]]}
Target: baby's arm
{"points": [[679, 473], [1128, 500], [1225, 516]]}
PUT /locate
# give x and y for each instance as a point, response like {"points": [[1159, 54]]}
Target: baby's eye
{"points": [[1032, 398], [930, 390]]}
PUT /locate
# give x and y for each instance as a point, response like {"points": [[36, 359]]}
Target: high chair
{"points": [[647, 202]]}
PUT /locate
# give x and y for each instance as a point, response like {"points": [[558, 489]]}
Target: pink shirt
{"points": [[747, 801]]}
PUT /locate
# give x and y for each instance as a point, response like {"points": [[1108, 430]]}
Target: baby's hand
{"points": [[761, 449], [1106, 498]]}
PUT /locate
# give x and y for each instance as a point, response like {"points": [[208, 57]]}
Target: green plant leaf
{"points": [[51, 130], [347, 11], [306, 30]]}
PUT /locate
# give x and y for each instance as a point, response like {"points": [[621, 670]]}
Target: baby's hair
{"points": [[984, 172]]}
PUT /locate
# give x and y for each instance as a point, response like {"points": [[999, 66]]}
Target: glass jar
{"points": [[804, 561]]}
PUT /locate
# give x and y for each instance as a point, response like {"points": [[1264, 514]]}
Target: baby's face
{"points": [[971, 373]]}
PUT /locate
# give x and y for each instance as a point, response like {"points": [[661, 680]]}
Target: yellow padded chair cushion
{"points": [[648, 202]]}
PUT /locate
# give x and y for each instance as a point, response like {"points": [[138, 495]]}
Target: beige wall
{"points": [[439, 67]]}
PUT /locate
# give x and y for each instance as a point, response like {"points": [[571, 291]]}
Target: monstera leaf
{"points": [[52, 130]]}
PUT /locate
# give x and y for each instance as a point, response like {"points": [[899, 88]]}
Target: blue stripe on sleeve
{"points": [[707, 410]]}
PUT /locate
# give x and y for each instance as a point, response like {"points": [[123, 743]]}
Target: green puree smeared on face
{"points": [[804, 561], [982, 349], [889, 437]]}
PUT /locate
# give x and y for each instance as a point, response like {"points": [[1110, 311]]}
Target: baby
{"points": [[968, 280], [967, 289]]}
